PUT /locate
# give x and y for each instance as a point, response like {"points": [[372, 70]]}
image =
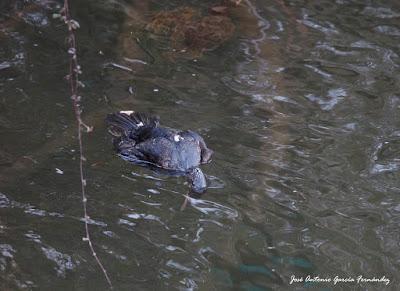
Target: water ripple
{"points": [[213, 208]]}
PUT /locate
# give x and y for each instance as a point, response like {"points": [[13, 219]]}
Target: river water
{"points": [[300, 106]]}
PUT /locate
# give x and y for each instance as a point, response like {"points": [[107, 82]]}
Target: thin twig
{"points": [[73, 78]]}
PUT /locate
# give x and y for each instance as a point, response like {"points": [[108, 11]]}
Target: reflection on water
{"points": [[300, 106]]}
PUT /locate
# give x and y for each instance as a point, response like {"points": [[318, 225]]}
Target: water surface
{"points": [[300, 107]]}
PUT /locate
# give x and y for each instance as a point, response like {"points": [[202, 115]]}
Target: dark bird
{"points": [[139, 139]]}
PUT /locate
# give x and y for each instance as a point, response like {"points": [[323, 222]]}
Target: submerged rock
{"points": [[187, 29]]}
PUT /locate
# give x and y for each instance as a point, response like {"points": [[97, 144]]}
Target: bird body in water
{"points": [[140, 139]]}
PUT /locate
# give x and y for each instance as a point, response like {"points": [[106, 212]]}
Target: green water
{"points": [[300, 106]]}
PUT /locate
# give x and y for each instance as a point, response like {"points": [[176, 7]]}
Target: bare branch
{"points": [[73, 79]]}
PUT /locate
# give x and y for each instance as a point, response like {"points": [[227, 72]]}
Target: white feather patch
{"points": [[177, 138], [140, 124], [127, 112]]}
